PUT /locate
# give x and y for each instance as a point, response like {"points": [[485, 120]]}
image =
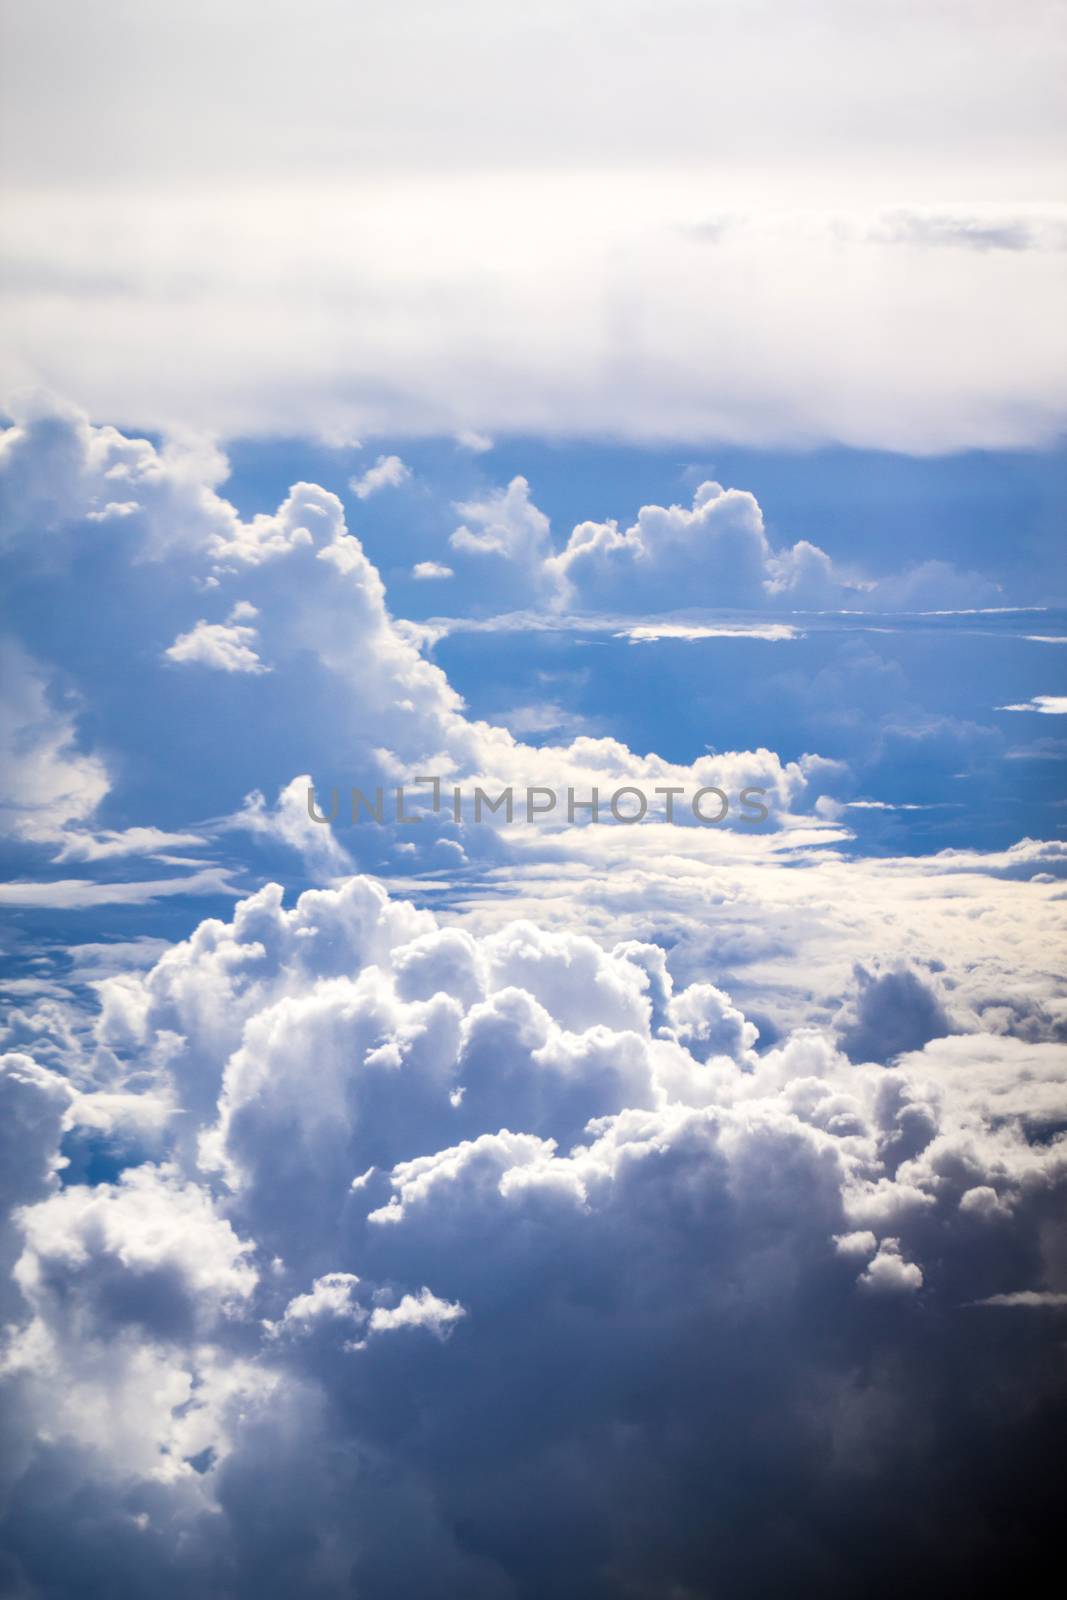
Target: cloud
{"points": [[48, 783], [111, 843], [619, 1229], [322, 613], [652, 633], [225, 647], [388, 472], [715, 553], [149, 1249], [893, 1012], [503, 546], [408, 94], [423, 1310], [77, 894], [313, 610], [312, 601], [431, 569], [719, 545], [476, 443], [860, 1243], [761, 916], [35, 1104], [331, 1297], [637, 1269], [895, 327], [543, 716], [889, 1273], [507, 523], [958, 229], [1037, 1299], [934, 585], [290, 823], [57, 470], [1049, 705], [357, 256], [91, 960]]}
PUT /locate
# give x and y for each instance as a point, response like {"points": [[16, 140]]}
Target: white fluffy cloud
{"points": [[888, 1272], [678, 1208], [506, 523], [423, 1310], [315, 594], [507, 1220], [388, 472], [715, 553], [148, 1250], [663, 1157], [228, 646]]}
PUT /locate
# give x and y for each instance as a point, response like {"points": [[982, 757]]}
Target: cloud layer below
{"points": [[677, 1206], [500, 1265]]}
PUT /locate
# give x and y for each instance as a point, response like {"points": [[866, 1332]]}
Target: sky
{"points": [[649, 422]]}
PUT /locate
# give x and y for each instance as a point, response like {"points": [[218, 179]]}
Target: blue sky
{"points": [[664, 400]]}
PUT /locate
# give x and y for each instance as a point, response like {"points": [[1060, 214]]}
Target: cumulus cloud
{"points": [[423, 1310], [892, 1012], [507, 523], [664, 1156], [507, 540], [888, 1272], [714, 553], [289, 822], [636, 1224], [719, 544], [57, 468], [388, 472], [330, 1297], [860, 1243], [679, 1207], [35, 1104], [310, 594], [224, 646], [762, 915], [148, 1250]]}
